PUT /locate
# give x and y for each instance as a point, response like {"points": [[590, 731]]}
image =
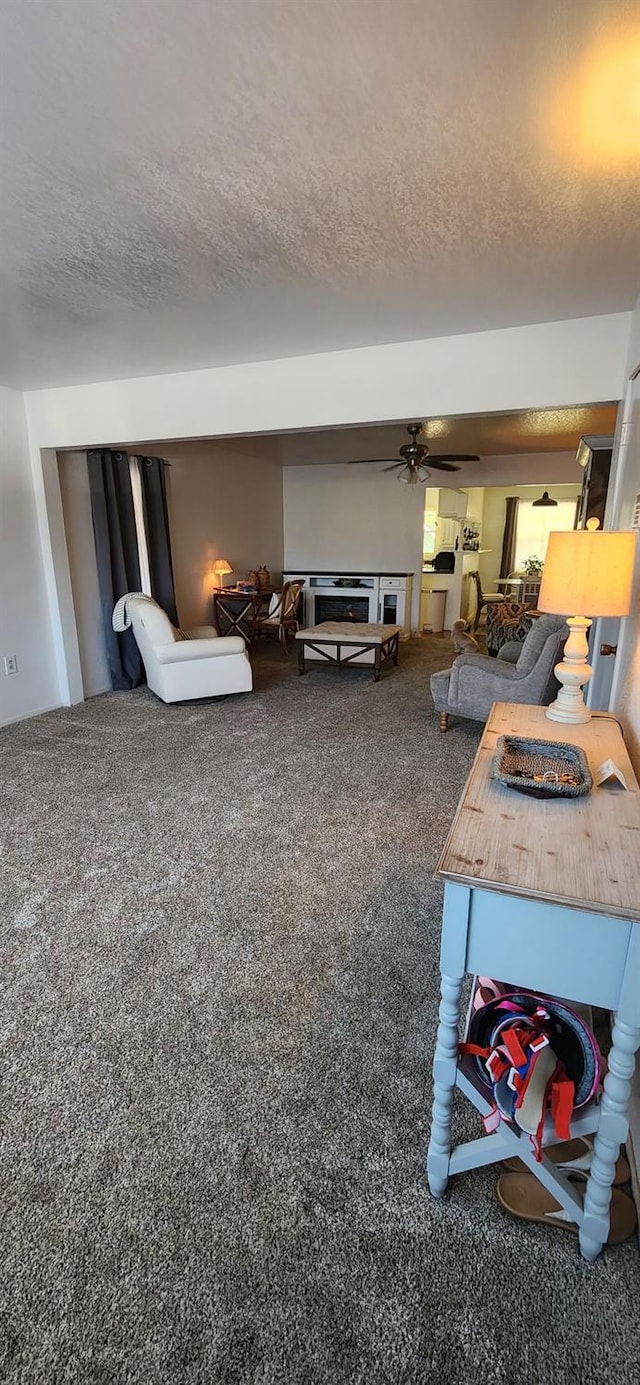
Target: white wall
{"points": [[626, 698], [475, 505], [222, 504], [352, 518], [626, 689], [83, 568], [542, 365], [359, 517], [520, 469], [552, 363], [25, 628]]}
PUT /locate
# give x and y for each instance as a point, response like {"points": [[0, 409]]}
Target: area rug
{"points": [[219, 937]]}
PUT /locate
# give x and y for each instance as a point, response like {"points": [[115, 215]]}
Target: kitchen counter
{"points": [[456, 584]]}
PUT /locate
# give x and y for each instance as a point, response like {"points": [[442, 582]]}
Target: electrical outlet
{"points": [[11, 663]]}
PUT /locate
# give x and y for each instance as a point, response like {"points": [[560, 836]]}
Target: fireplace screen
{"points": [[341, 608]]}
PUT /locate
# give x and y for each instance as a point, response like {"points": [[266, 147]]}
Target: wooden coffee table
{"points": [[346, 642]]}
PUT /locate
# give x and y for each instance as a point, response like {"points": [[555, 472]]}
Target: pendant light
{"points": [[545, 499]]}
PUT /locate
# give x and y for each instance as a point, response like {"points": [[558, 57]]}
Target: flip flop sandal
{"points": [[522, 1091], [524, 1197], [571, 1038], [486, 990], [573, 1157], [530, 1108]]}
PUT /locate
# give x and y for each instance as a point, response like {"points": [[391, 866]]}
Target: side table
{"points": [[545, 894], [234, 611]]}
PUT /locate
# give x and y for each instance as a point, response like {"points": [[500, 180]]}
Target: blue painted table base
{"points": [[541, 946]]}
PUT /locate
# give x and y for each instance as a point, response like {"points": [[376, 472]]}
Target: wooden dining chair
{"points": [[281, 620], [483, 598]]}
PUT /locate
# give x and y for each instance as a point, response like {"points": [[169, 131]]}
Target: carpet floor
{"points": [[219, 991]]}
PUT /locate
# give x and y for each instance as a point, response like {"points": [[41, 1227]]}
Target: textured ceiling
{"points": [[490, 435], [191, 184]]}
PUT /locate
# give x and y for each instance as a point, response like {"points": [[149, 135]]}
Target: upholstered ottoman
{"points": [[344, 642]]}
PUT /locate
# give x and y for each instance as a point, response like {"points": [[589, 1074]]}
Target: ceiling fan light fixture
{"points": [[413, 458], [414, 476], [545, 500]]}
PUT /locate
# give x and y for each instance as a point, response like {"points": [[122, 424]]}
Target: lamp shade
{"points": [[221, 566], [588, 572]]}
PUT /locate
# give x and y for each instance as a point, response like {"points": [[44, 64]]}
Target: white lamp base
{"points": [[572, 674]]}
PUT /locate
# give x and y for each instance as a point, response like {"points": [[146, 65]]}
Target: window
{"points": [[430, 532], [534, 525]]}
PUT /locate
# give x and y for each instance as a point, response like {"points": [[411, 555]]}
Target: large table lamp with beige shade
{"points": [[586, 570]]}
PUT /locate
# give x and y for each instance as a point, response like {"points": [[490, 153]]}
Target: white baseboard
{"points": [[12, 721]]}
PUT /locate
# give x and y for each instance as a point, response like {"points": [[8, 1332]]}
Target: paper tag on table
{"points": [[608, 773]]}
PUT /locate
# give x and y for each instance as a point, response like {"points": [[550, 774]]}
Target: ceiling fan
{"points": [[414, 454]]}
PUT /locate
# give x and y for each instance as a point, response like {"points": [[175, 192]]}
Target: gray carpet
{"points": [[219, 977]]}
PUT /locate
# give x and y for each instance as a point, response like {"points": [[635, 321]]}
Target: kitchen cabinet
{"points": [[452, 504], [447, 531]]}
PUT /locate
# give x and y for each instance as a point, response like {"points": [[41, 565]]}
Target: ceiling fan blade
{"points": [[437, 465], [452, 457], [369, 461], [396, 466]]}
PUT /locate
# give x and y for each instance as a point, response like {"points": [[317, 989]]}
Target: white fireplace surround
{"points": [[388, 595]]}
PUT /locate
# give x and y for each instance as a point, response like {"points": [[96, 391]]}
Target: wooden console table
{"points": [[234, 611], [544, 894]]}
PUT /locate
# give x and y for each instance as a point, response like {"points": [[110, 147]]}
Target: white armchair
{"points": [[178, 669]]}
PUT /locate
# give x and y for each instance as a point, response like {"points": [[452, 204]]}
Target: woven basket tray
{"points": [[544, 769]]}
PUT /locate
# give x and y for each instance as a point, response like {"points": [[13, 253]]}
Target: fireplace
{"points": [[367, 597], [347, 608]]}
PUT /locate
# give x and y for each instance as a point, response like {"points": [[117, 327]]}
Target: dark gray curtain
{"points": [[156, 518], [509, 537], [114, 529]]}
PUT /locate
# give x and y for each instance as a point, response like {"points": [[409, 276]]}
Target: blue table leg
{"points": [[444, 1076], [453, 954], [614, 1114], [612, 1132]]}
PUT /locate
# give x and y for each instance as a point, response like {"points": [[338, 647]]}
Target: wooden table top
{"points": [[233, 591], [581, 853]]}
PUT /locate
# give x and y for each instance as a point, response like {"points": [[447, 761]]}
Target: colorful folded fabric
{"points": [[535, 1055]]}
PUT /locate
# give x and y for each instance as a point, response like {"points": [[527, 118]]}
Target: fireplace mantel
{"points": [[387, 594], [335, 573]]}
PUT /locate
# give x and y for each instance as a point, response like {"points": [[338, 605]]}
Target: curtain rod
{"points": [[144, 458]]}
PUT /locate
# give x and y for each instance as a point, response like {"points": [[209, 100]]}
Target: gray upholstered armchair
{"points": [[521, 673]]}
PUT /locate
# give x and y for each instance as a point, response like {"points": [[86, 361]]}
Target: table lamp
{"points": [[584, 570], [220, 567]]}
